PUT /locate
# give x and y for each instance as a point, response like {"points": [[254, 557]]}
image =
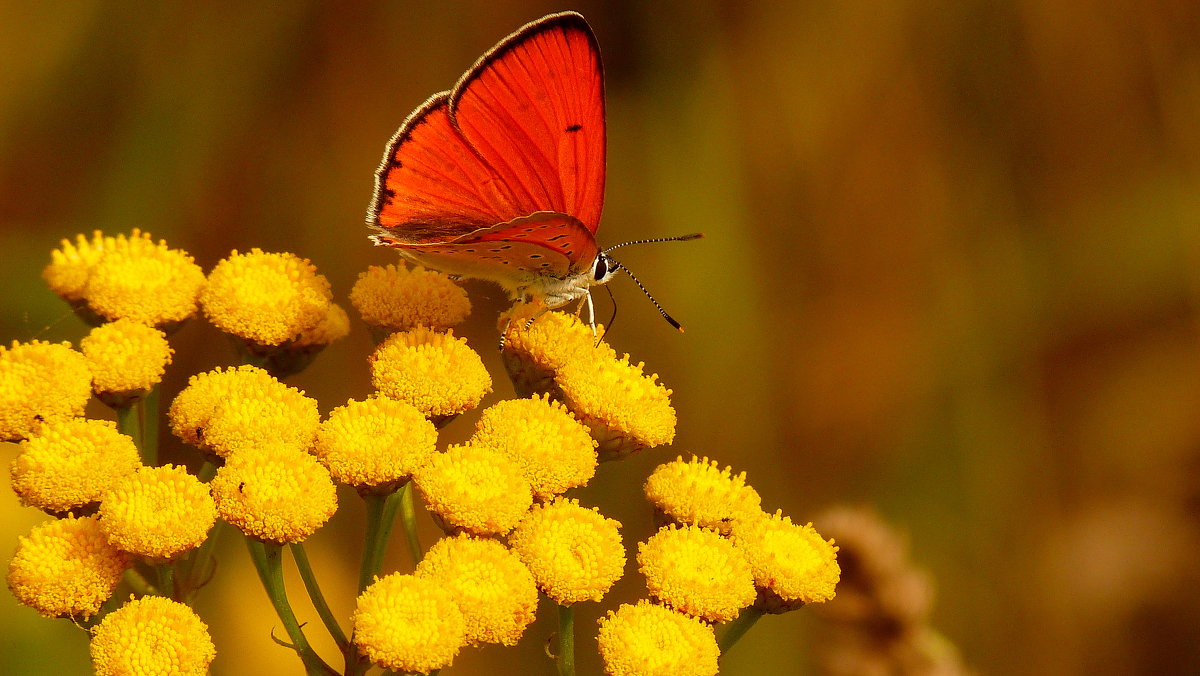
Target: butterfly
{"points": [[502, 177]]}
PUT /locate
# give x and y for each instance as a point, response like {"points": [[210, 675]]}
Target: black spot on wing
{"points": [[574, 127]]}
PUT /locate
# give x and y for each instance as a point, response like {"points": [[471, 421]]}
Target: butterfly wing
{"points": [[513, 254], [534, 109], [520, 136]]}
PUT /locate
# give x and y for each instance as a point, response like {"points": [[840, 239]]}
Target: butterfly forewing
{"points": [[432, 184], [534, 109]]}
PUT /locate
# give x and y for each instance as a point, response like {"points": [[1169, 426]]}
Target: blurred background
{"points": [[951, 273]]}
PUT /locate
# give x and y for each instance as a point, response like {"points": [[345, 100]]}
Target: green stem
{"points": [[196, 569], [268, 560], [148, 412], [127, 424], [566, 641], [738, 628], [318, 598], [381, 514], [139, 584], [408, 515], [166, 579]]}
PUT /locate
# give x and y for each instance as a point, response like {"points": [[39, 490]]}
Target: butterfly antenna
{"points": [[679, 238], [669, 318], [612, 318]]}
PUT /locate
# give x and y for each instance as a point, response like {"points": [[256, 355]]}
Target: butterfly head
{"points": [[603, 269]]}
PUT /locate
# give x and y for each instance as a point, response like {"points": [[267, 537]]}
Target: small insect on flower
{"points": [[274, 493]]}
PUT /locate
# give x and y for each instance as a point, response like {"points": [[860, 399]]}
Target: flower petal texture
{"points": [[274, 493], [126, 358], [66, 568], [494, 590], [554, 450], [789, 560], [40, 382], [377, 442], [68, 464], [266, 298], [152, 636], [575, 553], [647, 639], [399, 298], [408, 624], [697, 492], [157, 512], [696, 571], [476, 489], [435, 372]]}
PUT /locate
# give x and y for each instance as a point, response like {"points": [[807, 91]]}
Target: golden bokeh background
{"points": [[952, 271]]}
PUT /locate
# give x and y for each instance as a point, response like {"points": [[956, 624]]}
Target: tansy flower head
{"points": [[152, 636], [626, 410], [222, 411], [66, 568], [275, 493], [553, 449], [696, 571], [157, 512], [649, 640], [40, 382], [435, 372], [492, 587], [476, 489], [333, 327], [69, 268], [377, 443], [142, 280], [791, 564], [408, 624], [535, 350], [127, 360], [266, 299], [395, 298], [67, 465], [574, 553], [697, 492]]}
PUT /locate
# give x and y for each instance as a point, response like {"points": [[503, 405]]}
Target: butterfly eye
{"points": [[600, 268]]}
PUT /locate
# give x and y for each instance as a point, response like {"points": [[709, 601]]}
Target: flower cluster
{"points": [[130, 543], [719, 558]]}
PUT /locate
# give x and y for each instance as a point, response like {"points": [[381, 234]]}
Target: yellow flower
{"points": [[574, 553], [553, 449], [70, 266], [494, 590], [379, 442], [408, 624], [696, 571], [626, 410], [66, 568], [265, 298], [222, 411], [157, 512], [152, 636], [535, 350], [435, 372], [40, 382], [334, 326], [136, 278], [67, 465], [793, 563], [127, 359], [649, 640], [395, 298], [476, 489], [274, 493], [697, 492]]}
